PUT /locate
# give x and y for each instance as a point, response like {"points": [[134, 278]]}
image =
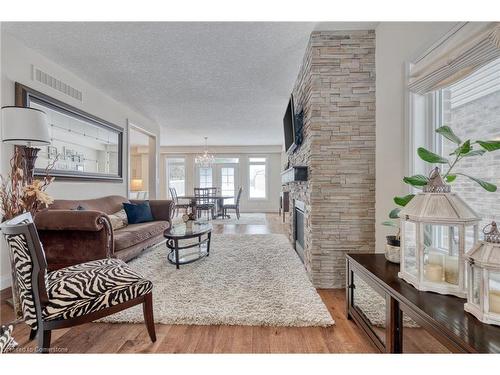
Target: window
{"points": [[257, 160], [226, 160], [471, 108], [176, 175], [205, 174], [257, 178]]}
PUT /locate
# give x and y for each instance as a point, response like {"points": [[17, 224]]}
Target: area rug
{"points": [[245, 218], [246, 280]]}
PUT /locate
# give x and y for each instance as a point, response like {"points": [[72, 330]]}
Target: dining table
{"points": [[219, 199]]}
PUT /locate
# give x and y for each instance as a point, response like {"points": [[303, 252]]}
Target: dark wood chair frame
{"points": [[235, 206], [205, 200], [185, 206], [41, 299]]}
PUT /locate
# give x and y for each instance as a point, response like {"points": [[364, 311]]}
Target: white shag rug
{"points": [[246, 280], [245, 218]]}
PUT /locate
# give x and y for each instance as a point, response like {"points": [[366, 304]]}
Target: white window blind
{"points": [[472, 47]]}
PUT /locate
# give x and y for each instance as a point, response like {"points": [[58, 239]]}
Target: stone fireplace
{"points": [[336, 90]]}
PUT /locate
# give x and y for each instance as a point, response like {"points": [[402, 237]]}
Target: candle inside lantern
{"points": [[451, 269], [494, 301], [433, 272], [434, 257]]}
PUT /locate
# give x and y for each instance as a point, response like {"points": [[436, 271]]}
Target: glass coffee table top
{"points": [[188, 243], [186, 231]]}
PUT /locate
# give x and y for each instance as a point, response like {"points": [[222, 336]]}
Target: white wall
{"points": [[272, 153], [396, 44], [16, 66]]}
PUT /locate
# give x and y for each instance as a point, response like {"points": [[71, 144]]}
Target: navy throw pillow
{"points": [[138, 213]]}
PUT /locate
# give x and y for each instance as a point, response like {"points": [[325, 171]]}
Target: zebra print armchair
{"points": [[73, 295]]}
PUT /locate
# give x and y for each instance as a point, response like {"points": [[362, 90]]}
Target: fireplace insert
{"points": [[299, 226]]}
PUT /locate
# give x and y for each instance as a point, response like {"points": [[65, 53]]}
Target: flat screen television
{"points": [[289, 126]]}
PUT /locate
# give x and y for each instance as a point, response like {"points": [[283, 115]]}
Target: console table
{"points": [[405, 317]]}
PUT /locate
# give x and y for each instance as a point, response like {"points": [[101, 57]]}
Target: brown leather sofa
{"points": [[71, 236]]}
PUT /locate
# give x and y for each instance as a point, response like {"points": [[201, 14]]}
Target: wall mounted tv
{"points": [[289, 126]]}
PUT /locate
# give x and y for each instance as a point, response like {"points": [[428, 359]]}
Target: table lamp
{"points": [[25, 127], [136, 184]]}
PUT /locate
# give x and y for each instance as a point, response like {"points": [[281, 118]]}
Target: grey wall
{"points": [[16, 66]]}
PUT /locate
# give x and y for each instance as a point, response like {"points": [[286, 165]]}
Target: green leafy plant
{"points": [[464, 150], [394, 214]]}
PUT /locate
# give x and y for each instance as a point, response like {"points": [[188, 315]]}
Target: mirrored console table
{"points": [[400, 319]]}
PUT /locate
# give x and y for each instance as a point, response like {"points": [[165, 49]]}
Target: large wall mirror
{"points": [[83, 147]]}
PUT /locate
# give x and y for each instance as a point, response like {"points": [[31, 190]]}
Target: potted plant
{"points": [[464, 150], [392, 247]]}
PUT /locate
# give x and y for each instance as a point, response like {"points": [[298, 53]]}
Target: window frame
{"points": [[421, 110], [432, 112], [266, 176]]}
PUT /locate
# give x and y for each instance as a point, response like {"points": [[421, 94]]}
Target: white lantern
{"points": [[437, 228], [483, 269]]}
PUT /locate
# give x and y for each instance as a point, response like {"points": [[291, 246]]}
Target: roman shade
{"points": [[468, 49]]}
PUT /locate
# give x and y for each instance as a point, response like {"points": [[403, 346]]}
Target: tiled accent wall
{"points": [[336, 89]]}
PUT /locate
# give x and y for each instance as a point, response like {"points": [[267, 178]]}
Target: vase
{"points": [[392, 253]]}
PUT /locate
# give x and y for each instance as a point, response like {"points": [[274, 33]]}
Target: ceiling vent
{"points": [[48, 80]]}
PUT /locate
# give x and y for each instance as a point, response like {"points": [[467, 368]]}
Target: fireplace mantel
{"points": [[294, 174]]}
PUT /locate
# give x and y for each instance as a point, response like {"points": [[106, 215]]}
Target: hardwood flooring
{"points": [[343, 337]]}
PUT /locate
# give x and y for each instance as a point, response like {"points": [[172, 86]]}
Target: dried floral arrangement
{"points": [[20, 193]]}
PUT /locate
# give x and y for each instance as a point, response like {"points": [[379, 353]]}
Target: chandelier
{"points": [[206, 159]]}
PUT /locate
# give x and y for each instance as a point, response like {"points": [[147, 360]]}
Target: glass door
{"points": [[223, 176], [204, 177], [226, 178]]}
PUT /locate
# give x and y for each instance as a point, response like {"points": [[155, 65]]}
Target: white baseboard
{"points": [[260, 211], [5, 282]]}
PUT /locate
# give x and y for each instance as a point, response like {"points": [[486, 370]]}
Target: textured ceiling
{"points": [[228, 81]]}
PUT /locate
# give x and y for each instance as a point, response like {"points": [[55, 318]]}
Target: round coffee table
{"points": [[182, 232]]}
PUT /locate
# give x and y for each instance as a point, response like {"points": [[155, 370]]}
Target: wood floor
{"points": [[343, 337]]}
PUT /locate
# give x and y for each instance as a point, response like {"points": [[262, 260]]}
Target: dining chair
{"points": [[205, 201], [235, 206], [73, 295], [178, 203]]}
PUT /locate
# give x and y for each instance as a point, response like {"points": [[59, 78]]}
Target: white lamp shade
{"points": [[136, 184], [24, 126]]}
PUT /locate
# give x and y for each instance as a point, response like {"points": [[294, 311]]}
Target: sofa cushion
{"points": [[138, 213], [135, 233], [118, 219]]}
